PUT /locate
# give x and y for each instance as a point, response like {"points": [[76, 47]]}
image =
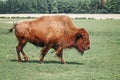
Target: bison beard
{"points": [[57, 32]]}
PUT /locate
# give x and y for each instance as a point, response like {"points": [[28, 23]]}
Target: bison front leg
{"points": [[59, 53], [43, 53]]}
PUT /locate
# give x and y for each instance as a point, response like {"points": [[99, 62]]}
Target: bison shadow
{"points": [[48, 62]]}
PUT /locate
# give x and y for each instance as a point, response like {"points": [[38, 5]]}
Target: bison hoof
{"points": [[26, 61], [19, 60], [63, 62], [41, 62]]}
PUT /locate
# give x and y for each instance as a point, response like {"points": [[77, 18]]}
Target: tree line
{"points": [[59, 6]]}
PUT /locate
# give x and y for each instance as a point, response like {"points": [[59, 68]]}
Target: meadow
{"points": [[101, 62]]}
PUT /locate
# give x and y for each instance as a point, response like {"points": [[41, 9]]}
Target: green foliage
{"points": [[59, 6], [52, 6], [113, 6]]}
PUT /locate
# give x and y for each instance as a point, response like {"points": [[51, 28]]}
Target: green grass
{"points": [[101, 62]]}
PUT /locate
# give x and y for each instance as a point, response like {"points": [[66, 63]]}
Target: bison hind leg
{"points": [[24, 55], [19, 49]]}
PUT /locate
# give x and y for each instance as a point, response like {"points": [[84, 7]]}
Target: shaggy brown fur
{"points": [[57, 32]]}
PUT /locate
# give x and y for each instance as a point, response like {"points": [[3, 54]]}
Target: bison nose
{"points": [[87, 48]]}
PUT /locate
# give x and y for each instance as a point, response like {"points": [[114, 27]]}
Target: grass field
{"points": [[101, 62]]}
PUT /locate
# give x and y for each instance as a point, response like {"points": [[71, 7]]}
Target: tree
{"points": [[8, 6], [62, 6], [113, 6], [2, 7], [42, 6], [95, 5], [103, 3], [52, 6], [59, 6]]}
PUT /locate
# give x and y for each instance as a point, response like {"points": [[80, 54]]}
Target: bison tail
{"points": [[11, 29]]}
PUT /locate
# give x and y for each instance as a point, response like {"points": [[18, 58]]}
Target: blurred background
{"points": [[60, 6]]}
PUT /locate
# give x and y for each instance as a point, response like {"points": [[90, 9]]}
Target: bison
{"points": [[57, 32]]}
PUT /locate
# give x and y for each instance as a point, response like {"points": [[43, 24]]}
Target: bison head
{"points": [[82, 40]]}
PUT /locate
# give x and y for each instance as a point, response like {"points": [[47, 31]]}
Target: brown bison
{"points": [[57, 32]]}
